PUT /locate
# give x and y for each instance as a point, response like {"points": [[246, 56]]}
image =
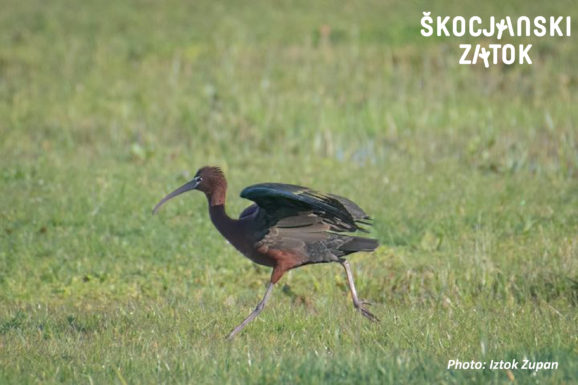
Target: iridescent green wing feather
{"points": [[285, 200]]}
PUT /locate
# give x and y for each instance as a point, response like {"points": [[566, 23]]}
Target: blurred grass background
{"points": [[470, 173]]}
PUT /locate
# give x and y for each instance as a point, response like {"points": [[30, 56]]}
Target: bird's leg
{"points": [[356, 302], [254, 313]]}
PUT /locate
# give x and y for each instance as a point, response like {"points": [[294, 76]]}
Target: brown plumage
{"points": [[287, 227]]}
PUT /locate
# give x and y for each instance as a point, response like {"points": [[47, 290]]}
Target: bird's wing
{"points": [[251, 210], [309, 223], [309, 236], [293, 233], [280, 201]]}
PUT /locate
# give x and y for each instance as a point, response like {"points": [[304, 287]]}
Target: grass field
{"points": [[470, 173]]}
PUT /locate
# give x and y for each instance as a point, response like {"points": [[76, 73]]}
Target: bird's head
{"points": [[207, 179]]}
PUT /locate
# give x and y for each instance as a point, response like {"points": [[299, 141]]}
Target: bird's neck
{"points": [[228, 227], [225, 224], [218, 195]]}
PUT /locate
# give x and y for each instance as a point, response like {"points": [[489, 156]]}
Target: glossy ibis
{"points": [[287, 227]]}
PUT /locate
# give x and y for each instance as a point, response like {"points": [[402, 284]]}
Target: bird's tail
{"points": [[359, 244]]}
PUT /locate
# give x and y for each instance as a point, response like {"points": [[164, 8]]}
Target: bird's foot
{"points": [[361, 307]]}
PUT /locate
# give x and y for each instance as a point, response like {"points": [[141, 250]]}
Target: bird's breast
{"points": [[246, 245]]}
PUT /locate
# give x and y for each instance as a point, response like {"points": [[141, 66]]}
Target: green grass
{"points": [[471, 175]]}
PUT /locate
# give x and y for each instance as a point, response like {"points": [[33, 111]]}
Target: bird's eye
{"points": [[199, 179]]}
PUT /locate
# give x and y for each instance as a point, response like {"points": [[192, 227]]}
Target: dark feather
{"points": [[290, 217], [249, 211], [283, 200]]}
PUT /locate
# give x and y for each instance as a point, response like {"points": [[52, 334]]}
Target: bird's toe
{"points": [[366, 313], [369, 315]]}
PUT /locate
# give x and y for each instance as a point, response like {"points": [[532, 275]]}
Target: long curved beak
{"points": [[184, 188]]}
